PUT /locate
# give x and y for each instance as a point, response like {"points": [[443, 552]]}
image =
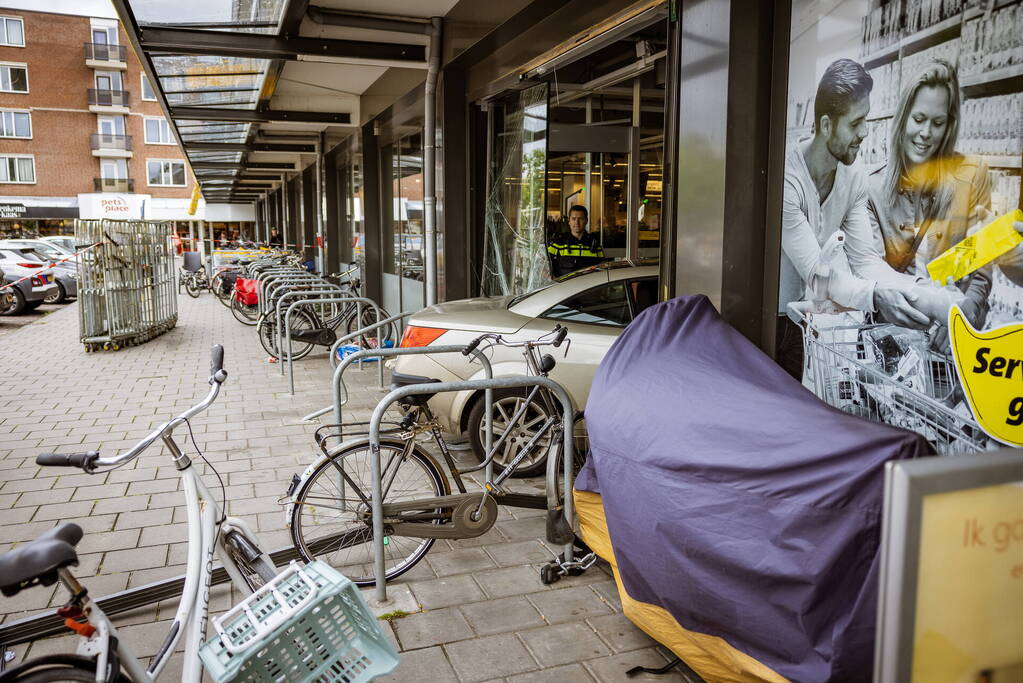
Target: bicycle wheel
{"points": [[243, 313], [369, 317], [54, 669], [193, 287], [246, 555], [506, 404], [223, 291], [333, 522], [266, 328]]}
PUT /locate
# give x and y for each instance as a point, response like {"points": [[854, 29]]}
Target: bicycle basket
{"points": [[246, 291], [309, 624]]}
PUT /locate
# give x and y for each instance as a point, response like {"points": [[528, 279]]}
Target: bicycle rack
{"points": [[567, 558], [323, 290], [357, 333], [287, 330], [338, 384]]}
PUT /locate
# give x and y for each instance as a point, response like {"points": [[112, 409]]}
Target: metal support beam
{"points": [[371, 22], [248, 147], [262, 46], [267, 165], [268, 116]]}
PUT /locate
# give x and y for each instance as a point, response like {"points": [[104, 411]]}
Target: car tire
{"points": [[33, 305], [17, 307], [506, 402], [58, 297]]}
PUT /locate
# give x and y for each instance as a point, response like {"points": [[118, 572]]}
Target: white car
{"points": [[595, 304]]}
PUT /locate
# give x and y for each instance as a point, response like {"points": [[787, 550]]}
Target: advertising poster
{"points": [[903, 149]]}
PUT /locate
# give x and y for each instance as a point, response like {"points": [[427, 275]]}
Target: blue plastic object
{"points": [[309, 624], [348, 350]]}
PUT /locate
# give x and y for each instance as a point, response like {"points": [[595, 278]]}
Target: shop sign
{"points": [[893, 218], [990, 366], [112, 206], [13, 210]]}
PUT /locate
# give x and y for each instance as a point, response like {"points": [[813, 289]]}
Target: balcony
{"points": [[108, 101], [113, 185], [103, 56], [107, 145]]}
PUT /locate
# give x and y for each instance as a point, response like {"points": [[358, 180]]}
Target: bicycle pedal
{"points": [[494, 489]]}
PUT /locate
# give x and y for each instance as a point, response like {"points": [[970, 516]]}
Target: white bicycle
{"points": [[106, 658]]}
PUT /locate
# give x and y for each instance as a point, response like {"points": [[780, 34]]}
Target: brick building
{"points": [[78, 119]]}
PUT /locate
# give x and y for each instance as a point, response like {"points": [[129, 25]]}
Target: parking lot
{"points": [[478, 609]]}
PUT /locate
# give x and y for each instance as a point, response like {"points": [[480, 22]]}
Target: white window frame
{"points": [[102, 117], [142, 86], [17, 65], [121, 164], [17, 111], [167, 161], [35, 176], [145, 131], [7, 17]]}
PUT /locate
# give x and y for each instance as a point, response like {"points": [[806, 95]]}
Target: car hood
{"points": [[481, 314]]}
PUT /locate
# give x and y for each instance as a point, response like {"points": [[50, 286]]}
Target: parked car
{"points": [[66, 272], [67, 242], [29, 293], [595, 304]]}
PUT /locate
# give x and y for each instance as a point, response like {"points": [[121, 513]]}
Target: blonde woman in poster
{"points": [[928, 196]]}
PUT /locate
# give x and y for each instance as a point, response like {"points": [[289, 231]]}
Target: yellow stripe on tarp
{"points": [[711, 657]]}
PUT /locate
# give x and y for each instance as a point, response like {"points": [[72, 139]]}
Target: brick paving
{"points": [[484, 614]]}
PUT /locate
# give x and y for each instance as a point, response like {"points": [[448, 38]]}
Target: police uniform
{"points": [[569, 253]]}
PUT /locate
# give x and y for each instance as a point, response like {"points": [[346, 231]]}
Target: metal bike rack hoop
{"points": [[436, 388]]}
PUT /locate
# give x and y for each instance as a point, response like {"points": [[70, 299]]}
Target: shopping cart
{"points": [[859, 367]]}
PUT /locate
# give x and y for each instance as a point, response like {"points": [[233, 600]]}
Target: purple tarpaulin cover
{"points": [[737, 500]]}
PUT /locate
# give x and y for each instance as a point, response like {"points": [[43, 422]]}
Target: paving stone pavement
{"points": [[484, 615]]}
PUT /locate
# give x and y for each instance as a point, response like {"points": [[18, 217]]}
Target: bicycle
{"points": [[310, 328], [194, 282], [103, 654], [244, 305], [329, 505]]}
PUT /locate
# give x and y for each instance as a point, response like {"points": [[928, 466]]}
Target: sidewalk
{"points": [[484, 615]]}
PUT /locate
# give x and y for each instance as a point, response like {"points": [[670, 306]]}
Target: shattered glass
{"points": [[515, 251]]}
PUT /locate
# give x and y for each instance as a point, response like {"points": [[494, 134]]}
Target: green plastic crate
{"points": [[309, 624]]}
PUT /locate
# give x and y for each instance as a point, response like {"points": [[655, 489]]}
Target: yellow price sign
{"points": [[990, 367]]}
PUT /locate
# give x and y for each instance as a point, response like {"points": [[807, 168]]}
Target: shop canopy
{"points": [[249, 86]]}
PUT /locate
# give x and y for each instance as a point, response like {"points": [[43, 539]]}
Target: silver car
{"points": [[65, 272], [595, 304], [34, 282]]}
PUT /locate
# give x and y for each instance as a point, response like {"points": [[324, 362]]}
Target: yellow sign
{"points": [[970, 587], [990, 367], [195, 198], [977, 250]]}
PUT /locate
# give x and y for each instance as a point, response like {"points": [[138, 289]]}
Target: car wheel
{"points": [[506, 404], [58, 296], [18, 304]]}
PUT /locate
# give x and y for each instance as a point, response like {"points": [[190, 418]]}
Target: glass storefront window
{"points": [[515, 257], [403, 243]]}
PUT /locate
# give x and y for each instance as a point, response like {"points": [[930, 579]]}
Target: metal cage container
{"points": [[127, 288]]}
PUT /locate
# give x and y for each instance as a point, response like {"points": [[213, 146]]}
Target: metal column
{"points": [[321, 215]]}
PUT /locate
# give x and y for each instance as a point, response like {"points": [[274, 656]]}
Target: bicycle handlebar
{"points": [[557, 337], [91, 460]]}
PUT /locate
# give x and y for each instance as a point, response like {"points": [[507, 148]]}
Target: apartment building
{"points": [[81, 132]]}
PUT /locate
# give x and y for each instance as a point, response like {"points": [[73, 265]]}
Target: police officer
{"points": [[577, 248]]}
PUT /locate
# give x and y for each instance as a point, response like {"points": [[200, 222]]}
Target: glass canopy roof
{"points": [[210, 81], [251, 16]]}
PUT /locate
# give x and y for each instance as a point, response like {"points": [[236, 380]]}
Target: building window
{"points": [[166, 172], [158, 132], [17, 168], [147, 90], [12, 31], [15, 124], [14, 77]]}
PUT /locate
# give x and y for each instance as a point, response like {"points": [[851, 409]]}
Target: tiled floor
{"points": [[484, 613]]}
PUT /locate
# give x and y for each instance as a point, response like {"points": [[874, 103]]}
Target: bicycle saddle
{"points": [[38, 561], [399, 380]]}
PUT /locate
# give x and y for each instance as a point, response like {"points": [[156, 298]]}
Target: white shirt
{"points": [[808, 224]]}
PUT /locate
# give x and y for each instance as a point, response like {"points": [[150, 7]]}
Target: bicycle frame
{"points": [[208, 530]]}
